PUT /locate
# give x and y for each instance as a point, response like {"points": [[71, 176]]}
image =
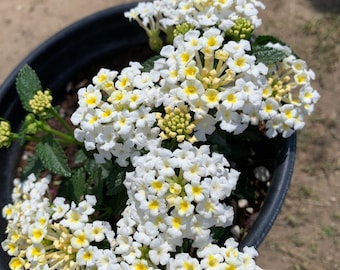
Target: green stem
{"points": [[61, 120], [66, 138]]}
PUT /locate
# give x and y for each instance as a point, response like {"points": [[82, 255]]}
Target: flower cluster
{"points": [[165, 15], [288, 96], [220, 82], [54, 235], [114, 115], [181, 193], [60, 235]]}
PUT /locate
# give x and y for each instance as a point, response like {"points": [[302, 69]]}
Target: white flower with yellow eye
{"points": [[269, 109], [59, 208], [190, 90], [123, 123], [136, 98], [17, 263], [158, 186], [241, 62], [184, 56], [210, 257], [184, 261], [233, 99], [153, 205], [35, 252], [91, 122], [36, 233], [195, 192], [87, 256], [74, 219], [79, 239], [301, 78], [104, 80], [183, 206], [10, 247], [288, 113], [211, 98], [176, 225], [308, 95], [105, 113], [89, 97], [95, 231], [192, 41], [211, 39]]}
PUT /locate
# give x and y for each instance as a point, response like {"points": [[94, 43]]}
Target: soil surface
{"points": [[306, 235]]}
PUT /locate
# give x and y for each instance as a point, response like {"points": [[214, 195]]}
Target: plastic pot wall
{"points": [[73, 50]]}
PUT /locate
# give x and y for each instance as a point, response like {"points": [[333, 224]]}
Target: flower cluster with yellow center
{"points": [[176, 124]]}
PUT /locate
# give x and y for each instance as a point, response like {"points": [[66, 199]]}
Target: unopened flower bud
{"points": [[155, 42], [41, 102], [242, 29], [183, 28], [5, 134], [176, 124]]}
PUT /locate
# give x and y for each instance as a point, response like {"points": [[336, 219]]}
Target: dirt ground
{"points": [[306, 234]]}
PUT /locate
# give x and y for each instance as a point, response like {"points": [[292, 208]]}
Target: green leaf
{"points": [[220, 235], [52, 156], [267, 55], [81, 157], [263, 40], [27, 84], [118, 202], [244, 190], [149, 63], [33, 165], [115, 182], [73, 188], [95, 184], [77, 184]]}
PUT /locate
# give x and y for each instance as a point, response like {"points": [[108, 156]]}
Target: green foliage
{"points": [[244, 190], [267, 55], [73, 187], [33, 165], [149, 63], [52, 156], [263, 40], [27, 84]]}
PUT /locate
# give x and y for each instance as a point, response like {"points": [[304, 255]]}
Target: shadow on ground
{"points": [[328, 6]]}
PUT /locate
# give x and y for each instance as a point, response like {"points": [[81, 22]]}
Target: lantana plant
{"points": [[149, 183]]}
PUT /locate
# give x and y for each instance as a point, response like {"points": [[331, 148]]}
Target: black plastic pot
{"points": [[72, 51]]}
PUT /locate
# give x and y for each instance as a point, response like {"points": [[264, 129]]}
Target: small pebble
{"points": [[250, 210], [242, 203], [236, 231], [262, 173]]}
